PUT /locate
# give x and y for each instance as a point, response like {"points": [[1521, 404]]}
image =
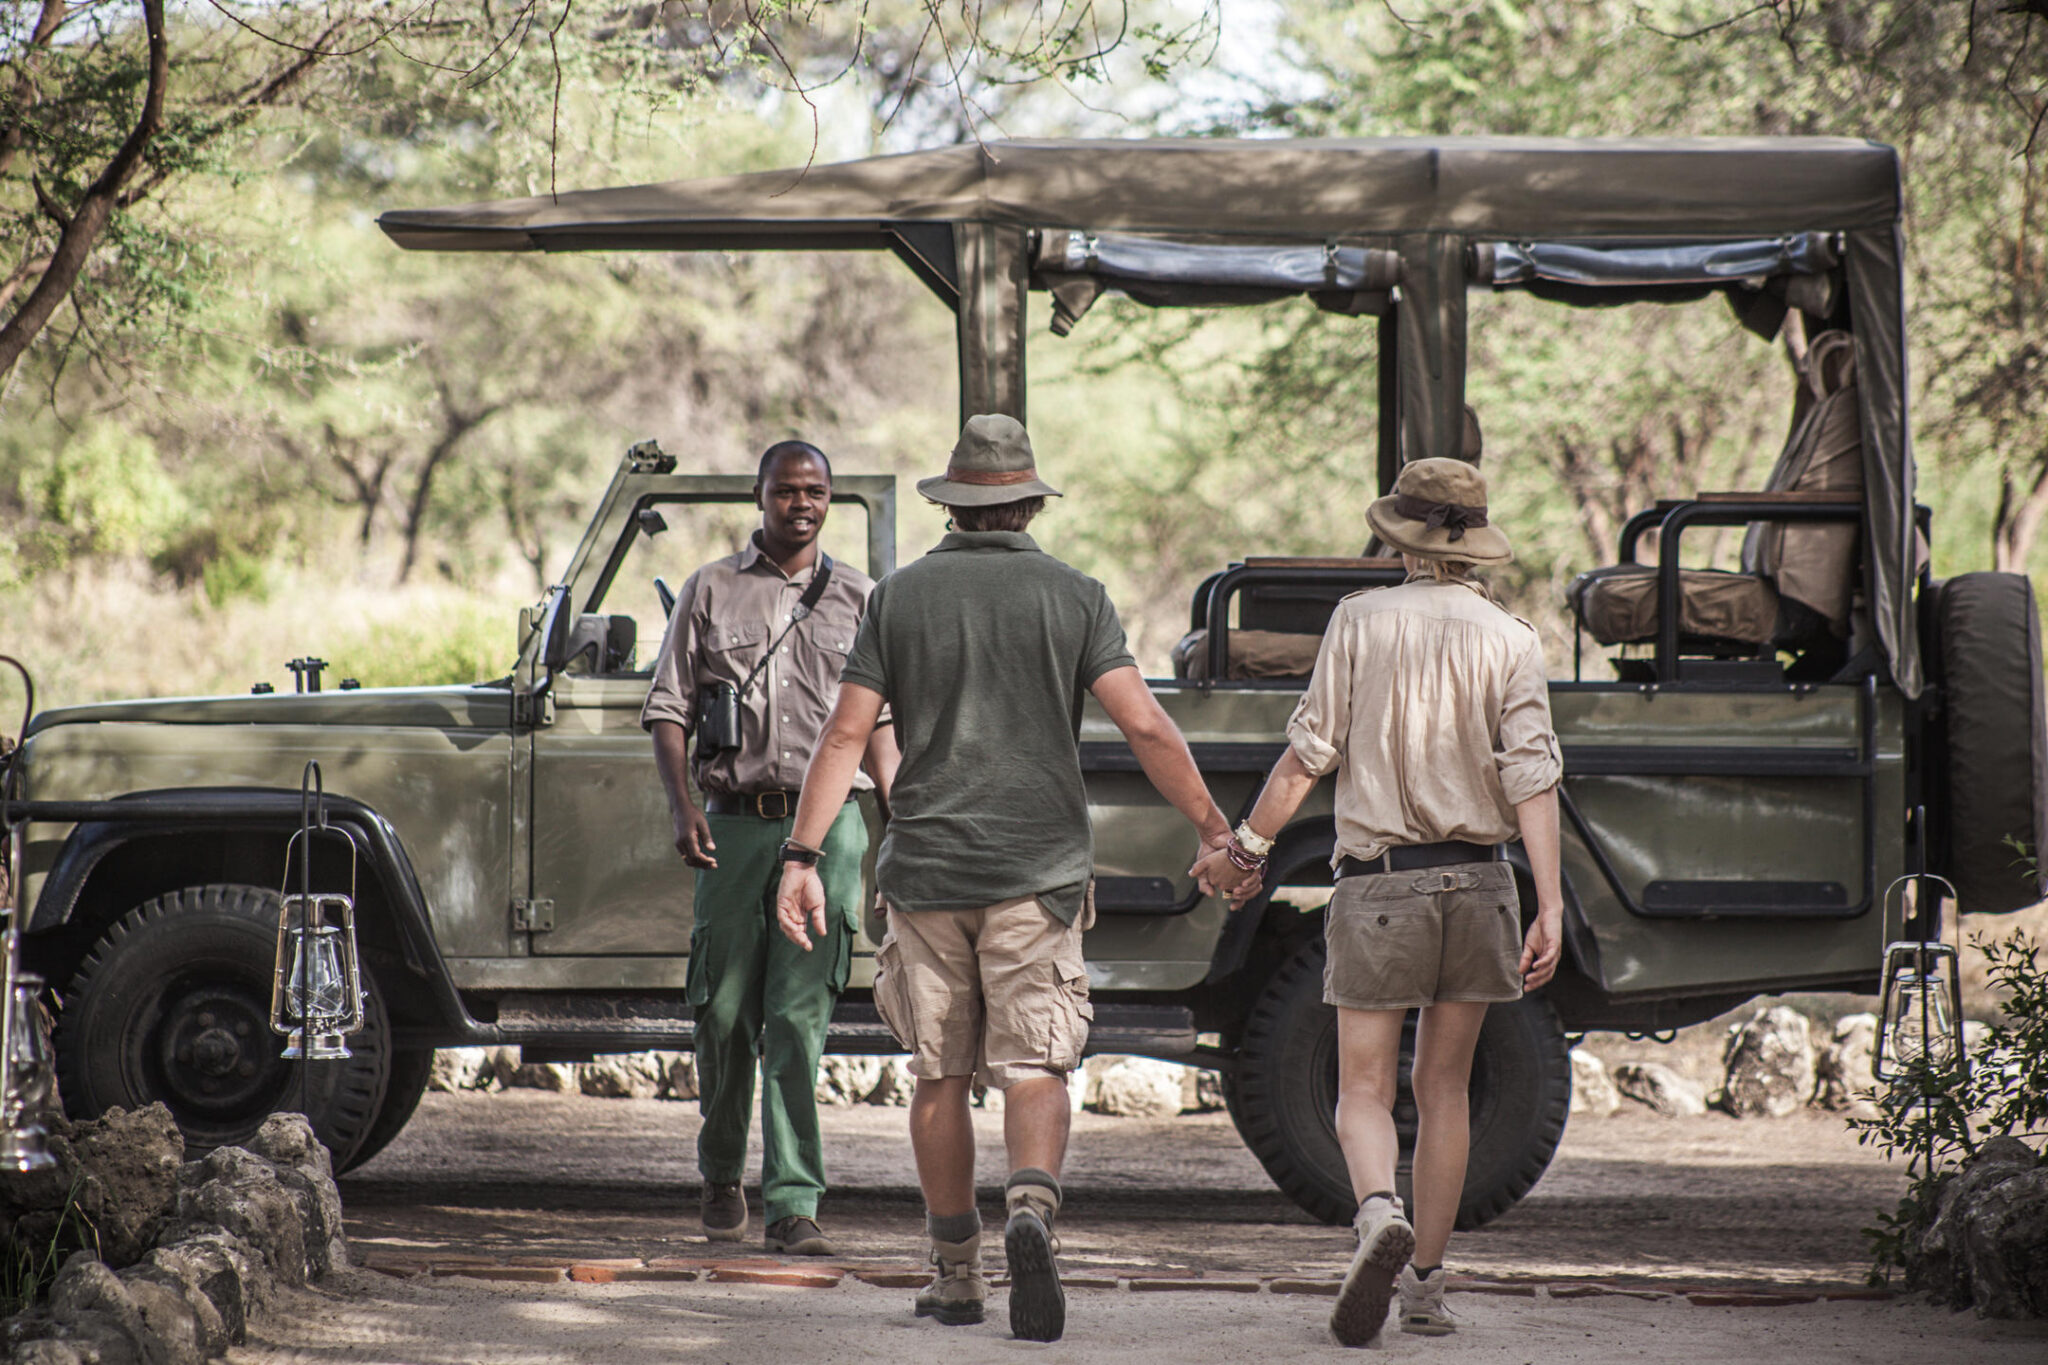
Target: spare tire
{"points": [[1993, 791]]}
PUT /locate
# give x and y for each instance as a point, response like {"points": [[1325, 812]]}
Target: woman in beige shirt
{"points": [[1430, 703]]}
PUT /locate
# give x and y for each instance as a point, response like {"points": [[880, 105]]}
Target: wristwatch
{"points": [[794, 852]]}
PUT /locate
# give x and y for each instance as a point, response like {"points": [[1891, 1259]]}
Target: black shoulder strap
{"points": [[821, 578]]}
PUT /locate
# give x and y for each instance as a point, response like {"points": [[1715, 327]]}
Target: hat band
{"points": [[990, 476], [1450, 516]]}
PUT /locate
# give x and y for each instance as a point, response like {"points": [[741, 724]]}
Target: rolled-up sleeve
{"points": [[1322, 717], [1526, 754], [673, 695]]}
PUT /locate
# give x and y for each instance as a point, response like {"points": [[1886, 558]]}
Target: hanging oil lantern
{"points": [[1920, 1017], [316, 992]]}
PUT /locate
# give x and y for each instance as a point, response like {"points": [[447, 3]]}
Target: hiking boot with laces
{"points": [[723, 1206], [1385, 1242], [1038, 1306], [957, 1292], [1422, 1303], [799, 1236]]}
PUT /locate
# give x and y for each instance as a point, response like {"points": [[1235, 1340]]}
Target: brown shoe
{"points": [[724, 1209], [799, 1236], [958, 1292]]}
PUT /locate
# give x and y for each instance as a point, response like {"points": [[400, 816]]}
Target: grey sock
{"points": [[1032, 1175], [954, 1227]]}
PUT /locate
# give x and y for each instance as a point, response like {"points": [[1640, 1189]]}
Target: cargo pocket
{"points": [[1071, 1010], [891, 1001]]}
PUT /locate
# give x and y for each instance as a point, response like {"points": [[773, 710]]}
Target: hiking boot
{"points": [[957, 1292], [1385, 1242], [799, 1236], [1038, 1306], [724, 1210], [1422, 1303]]}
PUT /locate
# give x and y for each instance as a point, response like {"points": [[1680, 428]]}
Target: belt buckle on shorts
{"points": [[761, 805]]}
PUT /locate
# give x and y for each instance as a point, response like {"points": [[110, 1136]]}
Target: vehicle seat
{"points": [[1254, 654], [1797, 580]]}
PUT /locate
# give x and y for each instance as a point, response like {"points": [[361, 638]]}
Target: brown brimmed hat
{"points": [[991, 463], [1438, 511]]}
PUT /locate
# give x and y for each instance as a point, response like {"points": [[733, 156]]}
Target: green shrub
{"points": [[234, 575], [1939, 1115], [467, 646], [103, 492]]}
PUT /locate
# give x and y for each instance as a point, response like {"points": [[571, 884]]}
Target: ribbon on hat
{"points": [[990, 477], [1451, 516]]}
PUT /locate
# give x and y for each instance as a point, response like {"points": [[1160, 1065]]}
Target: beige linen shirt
{"points": [[726, 616], [1432, 703]]}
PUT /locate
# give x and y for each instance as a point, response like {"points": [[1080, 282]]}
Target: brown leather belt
{"points": [[1409, 857], [777, 805]]}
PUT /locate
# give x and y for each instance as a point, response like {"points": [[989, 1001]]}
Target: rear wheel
{"points": [[173, 1004], [410, 1069], [1283, 1097]]}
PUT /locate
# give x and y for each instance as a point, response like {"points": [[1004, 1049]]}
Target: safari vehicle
{"points": [[1737, 798]]}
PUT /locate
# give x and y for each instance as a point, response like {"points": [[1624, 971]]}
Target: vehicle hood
{"points": [[485, 705]]}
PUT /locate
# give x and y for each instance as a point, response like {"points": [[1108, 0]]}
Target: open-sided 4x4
{"points": [[1736, 801]]}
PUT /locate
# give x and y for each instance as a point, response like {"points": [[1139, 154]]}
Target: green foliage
{"points": [[459, 646], [103, 492], [29, 1264], [1939, 1114]]}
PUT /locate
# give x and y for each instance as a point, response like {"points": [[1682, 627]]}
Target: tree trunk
{"points": [[82, 230], [455, 425], [2019, 519]]}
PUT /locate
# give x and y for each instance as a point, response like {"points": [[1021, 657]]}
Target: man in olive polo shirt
{"points": [[983, 651], [769, 628]]}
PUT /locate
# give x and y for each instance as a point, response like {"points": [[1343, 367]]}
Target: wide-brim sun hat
{"points": [[1438, 511], [990, 464]]}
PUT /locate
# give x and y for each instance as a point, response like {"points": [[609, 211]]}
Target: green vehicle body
{"points": [[1725, 834]]}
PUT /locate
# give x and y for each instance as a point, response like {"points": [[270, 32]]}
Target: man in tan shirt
{"points": [[1430, 702], [761, 636]]}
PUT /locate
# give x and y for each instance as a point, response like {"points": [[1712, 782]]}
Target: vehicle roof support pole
{"points": [[1431, 356], [994, 275]]}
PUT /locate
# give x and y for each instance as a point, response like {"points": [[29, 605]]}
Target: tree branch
{"points": [[96, 209], [16, 133]]}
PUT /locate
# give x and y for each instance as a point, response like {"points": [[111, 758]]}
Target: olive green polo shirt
{"points": [[984, 650]]}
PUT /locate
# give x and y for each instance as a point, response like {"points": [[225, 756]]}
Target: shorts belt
{"points": [[777, 805], [1409, 857]]}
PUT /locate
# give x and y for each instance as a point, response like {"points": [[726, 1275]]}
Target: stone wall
{"points": [[191, 1248]]}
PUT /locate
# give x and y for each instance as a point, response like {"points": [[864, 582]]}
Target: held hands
{"points": [[1541, 948], [800, 905], [693, 837], [1216, 875]]}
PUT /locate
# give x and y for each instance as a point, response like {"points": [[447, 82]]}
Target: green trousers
{"points": [[754, 994]]}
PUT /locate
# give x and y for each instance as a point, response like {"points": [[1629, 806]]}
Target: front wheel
{"points": [[173, 1004], [1283, 1097]]}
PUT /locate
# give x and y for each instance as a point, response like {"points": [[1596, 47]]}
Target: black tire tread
{"points": [[343, 1117]]}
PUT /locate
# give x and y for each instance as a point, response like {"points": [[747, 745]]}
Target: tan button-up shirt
{"points": [[1432, 704], [726, 616]]}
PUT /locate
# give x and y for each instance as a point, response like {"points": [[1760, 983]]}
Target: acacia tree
{"points": [[103, 105]]}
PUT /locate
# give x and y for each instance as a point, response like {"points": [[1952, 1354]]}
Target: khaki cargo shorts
{"points": [[999, 993], [1398, 940]]}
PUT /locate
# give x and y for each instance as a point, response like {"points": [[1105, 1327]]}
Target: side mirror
{"points": [[651, 522], [557, 621]]}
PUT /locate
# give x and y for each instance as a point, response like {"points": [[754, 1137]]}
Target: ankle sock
{"points": [[953, 1227], [1423, 1273]]}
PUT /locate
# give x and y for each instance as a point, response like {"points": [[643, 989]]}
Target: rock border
{"points": [[239, 1224]]}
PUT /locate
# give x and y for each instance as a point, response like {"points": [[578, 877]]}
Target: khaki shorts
{"points": [[999, 993], [1402, 939]]}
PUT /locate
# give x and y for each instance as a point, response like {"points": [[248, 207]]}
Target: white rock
{"points": [[1842, 1078], [1659, 1087], [624, 1076], [848, 1080], [678, 1075], [1138, 1087], [896, 1085], [1593, 1091], [560, 1077], [461, 1068], [1769, 1062]]}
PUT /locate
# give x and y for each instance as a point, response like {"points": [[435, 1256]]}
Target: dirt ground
{"points": [[1708, 1239]]}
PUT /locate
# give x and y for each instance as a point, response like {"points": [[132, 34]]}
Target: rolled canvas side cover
{"points": [[995, 272], [1878, 312]]}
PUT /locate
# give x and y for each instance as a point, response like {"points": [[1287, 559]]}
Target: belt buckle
{"points": [[761, 805]]}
